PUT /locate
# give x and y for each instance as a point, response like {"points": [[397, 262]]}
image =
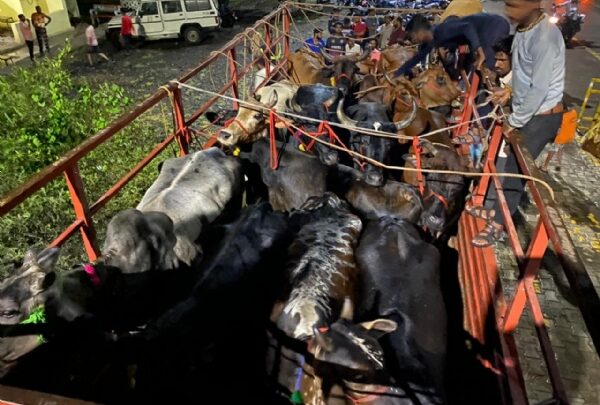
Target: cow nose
{"points": [[224, 135], [331, 157], [374, 178], [434, 221]]}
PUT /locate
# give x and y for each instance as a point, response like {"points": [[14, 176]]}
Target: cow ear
{"points": [[382, 325], [47, 259], [40, 282], [29, 258]]}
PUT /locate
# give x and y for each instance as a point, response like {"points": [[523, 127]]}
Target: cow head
{"points": [[436, 88], [354, 348], [344, 69], [139, 241], [314, 101], [249, 123], [444, 193], [20, 295], [372, 116]]}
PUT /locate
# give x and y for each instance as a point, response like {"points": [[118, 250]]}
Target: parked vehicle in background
{"points": [[567, 18], [159, 19]]}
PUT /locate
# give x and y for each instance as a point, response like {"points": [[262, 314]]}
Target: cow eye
{"points": [[441, 80], [258, 116]]}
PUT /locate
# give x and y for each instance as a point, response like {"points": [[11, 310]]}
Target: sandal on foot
{"points": [[480, 212], [491, 234]]}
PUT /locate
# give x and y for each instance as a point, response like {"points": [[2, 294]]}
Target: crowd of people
{"points": [[352, 35]]}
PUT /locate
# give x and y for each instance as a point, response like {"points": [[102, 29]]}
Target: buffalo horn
{"points": [[326, 55], [344, 119], [406, 122], [275, 99], [428, 146], [329, 103], [388, 78], [347, 310]]}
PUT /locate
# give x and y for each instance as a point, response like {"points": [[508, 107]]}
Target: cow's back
{"points": [[194, 190], [402, 281]]}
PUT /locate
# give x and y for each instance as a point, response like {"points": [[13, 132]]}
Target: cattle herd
{"points": [[232, 282]]}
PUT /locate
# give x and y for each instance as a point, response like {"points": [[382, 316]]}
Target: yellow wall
{"points": [[56, 9]]}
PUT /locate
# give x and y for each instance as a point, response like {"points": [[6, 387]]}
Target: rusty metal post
{"points": [[286, 32], [234, 77], [267, 53], [182, 135], [82, 211]]}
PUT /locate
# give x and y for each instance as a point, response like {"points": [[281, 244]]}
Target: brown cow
{"points": [[391, 59], [436, 88]]}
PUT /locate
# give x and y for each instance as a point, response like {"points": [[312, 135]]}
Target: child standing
{"points": [[92, 42]]}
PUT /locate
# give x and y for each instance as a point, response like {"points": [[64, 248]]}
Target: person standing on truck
{"points": [[40, 21], [478, 31], [126, 29], [538, 81], [25, 28], [92, 42]]}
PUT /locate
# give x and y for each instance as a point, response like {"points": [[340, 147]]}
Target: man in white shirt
{"points": [[538, 79], [352, 48]]}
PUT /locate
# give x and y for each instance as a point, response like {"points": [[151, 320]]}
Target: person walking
{"points": [[92, 42], [26, 30], [126, 29], [538, 80], [40, 20]]}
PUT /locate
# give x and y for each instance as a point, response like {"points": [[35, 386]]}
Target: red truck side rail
{"points": [[484, 301]]}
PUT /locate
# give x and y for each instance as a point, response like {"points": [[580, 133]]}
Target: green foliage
{"points": [[47, 112]]}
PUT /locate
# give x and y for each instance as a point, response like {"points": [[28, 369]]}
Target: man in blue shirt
{"points": [[478, 31], [316, 43]]}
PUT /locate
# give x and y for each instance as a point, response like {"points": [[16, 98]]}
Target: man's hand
{"points": [[480, 58], [500, 96]]}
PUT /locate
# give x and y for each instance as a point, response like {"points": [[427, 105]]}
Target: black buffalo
{"points": [[400, 297], [372, 116]]}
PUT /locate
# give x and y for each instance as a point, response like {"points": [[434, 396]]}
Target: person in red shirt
{"points": [[126, 29], [398, 34], [359, 28]]}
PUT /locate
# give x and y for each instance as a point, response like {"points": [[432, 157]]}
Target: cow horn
{"points": [[388, 78], [347, 310], [329, 103], [293, 105], [406, 122], [428, 146], [326, 55], [344, 119], [275, 99]]}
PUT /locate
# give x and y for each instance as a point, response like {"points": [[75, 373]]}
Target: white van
{"points": [[158, 19]]}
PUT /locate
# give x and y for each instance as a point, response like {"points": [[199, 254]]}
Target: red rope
{"points": [[272, 144], [418, 150]]}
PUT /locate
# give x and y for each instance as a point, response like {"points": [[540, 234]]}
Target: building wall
{"points": [[56, 9]]}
